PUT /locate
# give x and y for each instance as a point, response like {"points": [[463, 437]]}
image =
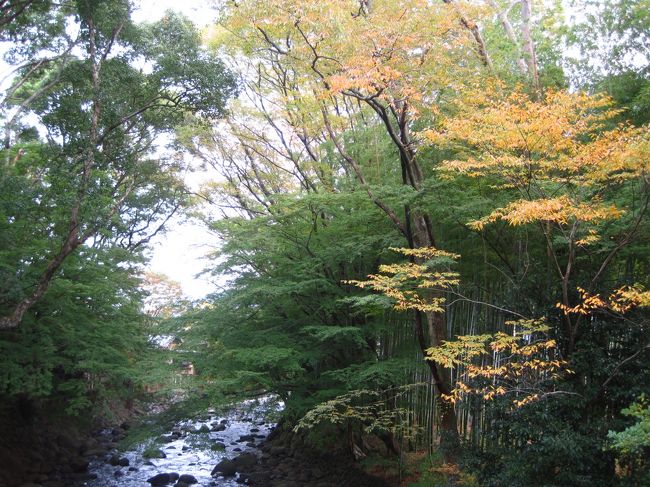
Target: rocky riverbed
{"points": [[224, 450], [188, 452]]}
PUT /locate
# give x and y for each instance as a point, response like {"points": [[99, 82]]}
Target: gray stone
{"points": [[225, 467], [188, 479], [244, 461], [163, 479]]}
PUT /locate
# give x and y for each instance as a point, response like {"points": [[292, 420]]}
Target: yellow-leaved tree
{"points": [[566, 168], [522, 365], [320, 75]]}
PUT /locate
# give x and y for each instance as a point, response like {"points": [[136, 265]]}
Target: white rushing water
{"points": [[196, 451]]}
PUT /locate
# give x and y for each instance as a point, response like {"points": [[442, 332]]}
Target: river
{"points": [[191, 447]]}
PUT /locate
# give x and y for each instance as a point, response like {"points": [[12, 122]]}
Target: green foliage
{"points": [[83, 338], [366, 408], [636, 438], [299, 224], [84, 185]]}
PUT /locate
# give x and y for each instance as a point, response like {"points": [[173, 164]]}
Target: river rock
{"points": [[258, 478], [119, 461], [155, 453], [225, 467], [163, 479], [218, 426], [244, 461], [188, 479]]}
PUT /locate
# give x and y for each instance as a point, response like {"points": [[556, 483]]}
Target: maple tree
{"points": [[562, 166], [524, 363], [327, 68]]}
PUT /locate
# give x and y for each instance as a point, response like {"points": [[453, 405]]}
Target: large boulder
{"points": [[245, 461], [163, 479], [154, 453], [188, 479], [225, 467]]}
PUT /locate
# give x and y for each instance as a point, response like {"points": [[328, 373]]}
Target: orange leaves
{"points": [[426, 253], [518, 124], [523, 364], [561, 210], [558, 146], [615, 156], [620, 301], [556, 139], [398, 50]]}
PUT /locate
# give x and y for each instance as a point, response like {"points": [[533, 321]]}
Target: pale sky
{"points": [[200, 11], [179, 253]]}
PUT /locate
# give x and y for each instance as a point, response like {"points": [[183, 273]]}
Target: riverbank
{"points": [[224, 449], [41, 446], [285, 463]]}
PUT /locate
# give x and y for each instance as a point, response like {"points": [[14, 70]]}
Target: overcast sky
{"points": [[179, 253]]}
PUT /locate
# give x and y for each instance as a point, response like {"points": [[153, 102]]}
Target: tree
{"points": [[565, 174], [96, 182], [346, 67]]}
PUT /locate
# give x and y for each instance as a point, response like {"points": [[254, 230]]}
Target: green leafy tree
{"points": [[97, 181]]}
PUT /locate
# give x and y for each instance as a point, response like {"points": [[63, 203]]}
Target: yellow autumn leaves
{"points": [[521, 364], [555, 152], [621, 301], [410, 284]]}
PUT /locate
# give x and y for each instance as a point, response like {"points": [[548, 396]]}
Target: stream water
{"points": [[192, 447]]}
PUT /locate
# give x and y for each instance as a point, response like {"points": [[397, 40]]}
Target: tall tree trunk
{"points": [[529, 46]]}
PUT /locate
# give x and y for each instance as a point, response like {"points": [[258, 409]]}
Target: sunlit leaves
{"points": [[522, 365], [620, 301], [402, 50], [558, 159], [561, 210], [366, 407], [408, 283]]}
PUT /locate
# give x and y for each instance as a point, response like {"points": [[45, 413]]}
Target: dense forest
{"points": [[430, 218]]}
